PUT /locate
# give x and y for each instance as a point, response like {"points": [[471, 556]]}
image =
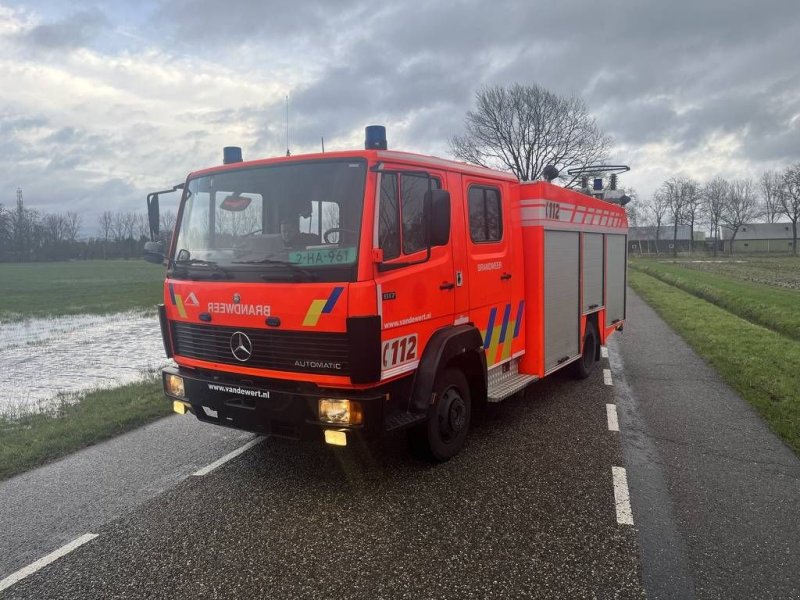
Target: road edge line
{"points": [[231, 455], [611, 415], [622, 497], [24, 572]]}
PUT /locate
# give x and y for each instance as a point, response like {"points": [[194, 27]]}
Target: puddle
{"points": [[47, 361]]}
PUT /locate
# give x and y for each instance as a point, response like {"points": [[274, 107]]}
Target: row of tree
{"points": [[30, 235], [731, 204]]}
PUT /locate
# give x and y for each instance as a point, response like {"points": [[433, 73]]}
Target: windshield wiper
{"points": [[281, 263], [201, 262]]}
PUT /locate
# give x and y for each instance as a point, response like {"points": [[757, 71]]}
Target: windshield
{"points": [[288, 222]]}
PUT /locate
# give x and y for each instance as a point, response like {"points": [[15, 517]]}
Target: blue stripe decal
{"points": [[337, 291], [490, 328], [519, 318], [171, 294], [506, 315]]}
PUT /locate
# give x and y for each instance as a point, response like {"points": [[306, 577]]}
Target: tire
{"points": [[442, 436], [583, 367]]}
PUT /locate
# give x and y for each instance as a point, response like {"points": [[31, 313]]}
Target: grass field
{"points": [[78, 287], [741, 317], [40, 438]]}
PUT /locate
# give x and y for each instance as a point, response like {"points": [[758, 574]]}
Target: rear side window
{"points": [[485, 216]]}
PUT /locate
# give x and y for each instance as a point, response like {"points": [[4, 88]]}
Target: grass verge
{"points": [[761, 365], [774, 308], [40, 438], [78, 287]]}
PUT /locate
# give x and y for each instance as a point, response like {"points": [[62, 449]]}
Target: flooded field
{"points": [[44, 362]]}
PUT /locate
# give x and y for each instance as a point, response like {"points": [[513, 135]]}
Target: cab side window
{"points": [[401, 223], [485, 216], [389, 217]]}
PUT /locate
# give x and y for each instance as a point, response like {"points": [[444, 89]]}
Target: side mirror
{"points": [[152, 215], [154, 252], [438, 202]]}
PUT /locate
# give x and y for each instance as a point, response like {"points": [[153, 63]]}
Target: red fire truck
{"points": [[365, 292]]}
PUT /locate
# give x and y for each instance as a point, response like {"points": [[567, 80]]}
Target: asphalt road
{"points": [[51, 506], [527, 510], [715, 494]]}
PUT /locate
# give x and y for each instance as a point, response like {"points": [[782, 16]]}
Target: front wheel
{"points": [[583, 367], [442, 436]]}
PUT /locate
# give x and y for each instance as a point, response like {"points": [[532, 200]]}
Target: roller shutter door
{"points": [[592, 271], [561, 286], [616, 247]]}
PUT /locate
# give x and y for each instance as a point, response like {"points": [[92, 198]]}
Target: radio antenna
{"points": [[322, 141], [287, 126]]}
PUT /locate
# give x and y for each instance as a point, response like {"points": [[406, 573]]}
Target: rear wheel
{"points": [[583, 367], [443, 434]]}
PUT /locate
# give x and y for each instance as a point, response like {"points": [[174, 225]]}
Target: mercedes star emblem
{"points": [[241, 346], [237, 298]]}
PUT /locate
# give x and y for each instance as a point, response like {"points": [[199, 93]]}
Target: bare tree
{"points": [[634, 209], [677, 192], [714, 195], [658, 211], [106, 222], [693, 210], [119, 226], [5, 231], [790, 200], [525, 128], [771, 187], [741, 206], [54, 226], [167, 221], [72, 225]]}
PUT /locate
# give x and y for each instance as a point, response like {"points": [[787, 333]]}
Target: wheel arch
{"points": [[458, 346]]}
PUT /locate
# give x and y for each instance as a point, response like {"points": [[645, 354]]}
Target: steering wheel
{"points": [[337, 230], [255, 231]]}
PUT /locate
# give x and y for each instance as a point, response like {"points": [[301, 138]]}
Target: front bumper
{"points": [[271, 407]]}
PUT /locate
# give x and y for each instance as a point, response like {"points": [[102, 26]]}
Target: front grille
{"points": [[311, 352]]}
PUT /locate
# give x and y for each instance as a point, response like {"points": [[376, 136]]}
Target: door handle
{"points": [[505, 276], [447, 285]]}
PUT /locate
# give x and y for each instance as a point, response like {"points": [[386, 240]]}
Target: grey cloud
{"points": [[74, 31]]}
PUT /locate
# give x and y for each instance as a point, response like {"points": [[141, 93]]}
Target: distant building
{"points": [[759, 237], [642, 240]]}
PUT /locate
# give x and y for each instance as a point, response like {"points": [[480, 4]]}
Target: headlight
{"points": [[339, 411], [174, 385]]}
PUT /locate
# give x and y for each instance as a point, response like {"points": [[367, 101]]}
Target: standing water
{"points": [[45, 361]]}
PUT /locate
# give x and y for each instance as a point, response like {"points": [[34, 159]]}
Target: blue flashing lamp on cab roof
{"points": [[375, 137], [231, 154]]}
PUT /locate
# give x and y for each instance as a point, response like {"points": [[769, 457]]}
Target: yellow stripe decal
{"points": [[314, 311], [509, 342], [179, 303]]}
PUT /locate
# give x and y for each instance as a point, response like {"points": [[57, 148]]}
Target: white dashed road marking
{"points": [[603, 351], [217, 463], [607, 377], [622, 497], [611, 413], [45, 560]]}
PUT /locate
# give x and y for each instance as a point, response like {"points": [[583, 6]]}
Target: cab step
{"points": [[402, 419], [505, 380]]}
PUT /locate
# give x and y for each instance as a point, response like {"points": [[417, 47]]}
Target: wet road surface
{"points": [[527, 509]]}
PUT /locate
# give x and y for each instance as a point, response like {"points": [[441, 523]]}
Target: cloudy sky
{"points": [[102, 102]]}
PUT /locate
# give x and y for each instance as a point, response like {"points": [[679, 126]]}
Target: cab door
{"points": [[415, 295], [489, 266]]}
